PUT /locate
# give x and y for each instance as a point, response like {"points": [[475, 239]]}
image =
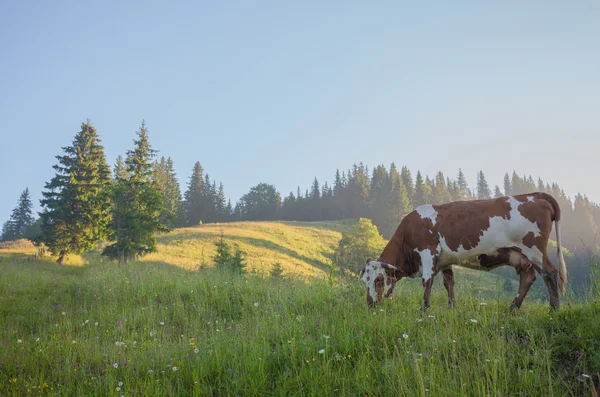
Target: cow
{"points": [[476, 234]]}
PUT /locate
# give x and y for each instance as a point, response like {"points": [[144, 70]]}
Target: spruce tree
{"points": [[483, 189], [398, 203], [428, 190], [120, 169], [166, 182], [408, 181], [497, 192], [379, 195], [137, 205], [194, 196], [21, 218], [463, 187], [540, 186], [222, 214], [76, 208], [228, 211], [419, 197], [315, 191], [441, 194], [507, 185]]}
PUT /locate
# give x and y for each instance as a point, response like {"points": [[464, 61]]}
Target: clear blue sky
{"points": [[282, 91]]}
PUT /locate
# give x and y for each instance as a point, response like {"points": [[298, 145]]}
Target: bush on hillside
{"points": [[226, 260], [362, 241]]}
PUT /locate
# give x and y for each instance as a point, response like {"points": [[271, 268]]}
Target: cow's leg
{"points": [[526, 274], [449, 284], [550, 276], [428, 266], [427, 292]]}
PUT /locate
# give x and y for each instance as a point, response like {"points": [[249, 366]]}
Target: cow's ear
{"points": [[368, 260]]}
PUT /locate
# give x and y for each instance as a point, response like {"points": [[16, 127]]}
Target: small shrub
{"points": [[276, 270]]}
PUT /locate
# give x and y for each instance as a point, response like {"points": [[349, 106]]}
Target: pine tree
{"points": [[507, 185], [483, 189], [315, 192], [120, 169], [221, 204], [540, 186], [210, 200], [194, 196], [76, 208], [516, 185], [497, 192], [441, 194], [419, 197], [137, 205], [358, 192], [166, 182], [428, 190], [21, 218], [7, 232], [288, 207], [379, 195], [228, 211], [407, 181], [398, 203], [464, 193]]}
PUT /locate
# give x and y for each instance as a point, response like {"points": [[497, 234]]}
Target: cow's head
{"points": [[380, 280]]}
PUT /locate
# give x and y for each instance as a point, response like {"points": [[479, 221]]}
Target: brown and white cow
{"points": [[477, 234]]}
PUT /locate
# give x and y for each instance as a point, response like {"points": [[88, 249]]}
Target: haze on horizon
{"points": [[289, 91]]}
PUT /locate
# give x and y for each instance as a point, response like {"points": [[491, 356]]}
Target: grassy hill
{"points": [[158, 328], [304, 249]]}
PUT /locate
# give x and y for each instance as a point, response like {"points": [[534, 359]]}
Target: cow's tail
{"points": [[562, 267]]}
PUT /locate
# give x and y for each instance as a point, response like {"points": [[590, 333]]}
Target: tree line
{"points": [[86, 202]]}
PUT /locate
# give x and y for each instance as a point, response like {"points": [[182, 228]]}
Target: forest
{"points": [[88, 201]]}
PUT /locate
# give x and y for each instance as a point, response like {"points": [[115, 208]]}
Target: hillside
{"points": [[304, 249]]}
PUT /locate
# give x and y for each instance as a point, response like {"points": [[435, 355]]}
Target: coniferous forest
{"points": [[87, 201]]}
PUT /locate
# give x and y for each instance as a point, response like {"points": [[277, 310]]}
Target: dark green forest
{"points": [[88, 201]]}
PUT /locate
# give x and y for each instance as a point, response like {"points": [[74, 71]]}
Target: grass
{"points": [[150, 328]]}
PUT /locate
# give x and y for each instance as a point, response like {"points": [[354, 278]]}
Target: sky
{"points": [[281, 91]]}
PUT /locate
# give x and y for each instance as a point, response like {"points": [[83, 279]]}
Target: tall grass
{"points": [[151, 329]]}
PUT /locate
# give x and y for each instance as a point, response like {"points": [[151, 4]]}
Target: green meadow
{"points": [[172, 325]]}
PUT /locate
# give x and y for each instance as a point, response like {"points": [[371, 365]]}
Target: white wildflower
{"points": [[37, 340], [19, 341], [483, 304], [585, 375], [196, 350], [322, 351], [473, 321], [174, 369], [150, 371], [419, 320], [255, 304], [96, 323], [431, 316], [118, 389], [120, 384], [64, 314], [162, 323], [405, 336], [116, 365], [87, 321]]}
